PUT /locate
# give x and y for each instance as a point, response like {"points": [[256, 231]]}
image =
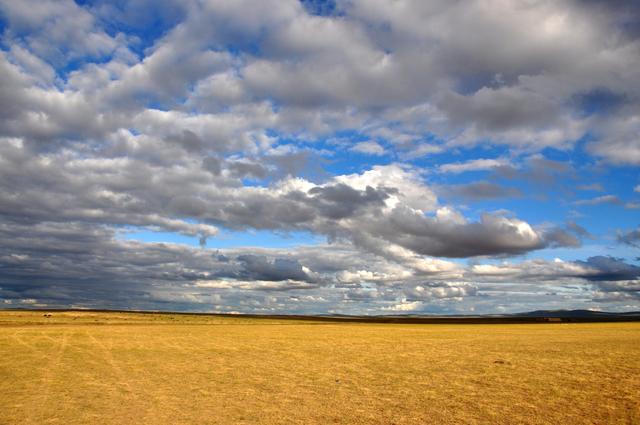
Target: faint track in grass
{"points": [[52, 369], [113, 364], [16, 337]]}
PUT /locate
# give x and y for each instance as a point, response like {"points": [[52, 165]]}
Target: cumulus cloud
{"points": [[593, 269], [223, 119], [449, 234], [405, 306], [58, 31], [439, 290], [369, 147], [58, 264], [603, 268], [472, 93], [472, 165], [280, 269], [631, 237]]}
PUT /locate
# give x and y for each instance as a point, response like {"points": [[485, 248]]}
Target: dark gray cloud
{"points": [[578, 230], [558, 237], [261, 268], [129, 191], [217, 119], [341, 201], [610, 269], [481, 190], [624, 12], [538, 170], [631, 237], [63, 264], [476, 92], [499, 109], [614, 279], [449, 235]]}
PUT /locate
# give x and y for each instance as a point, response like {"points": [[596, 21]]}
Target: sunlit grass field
{"points": [[121, 368]]}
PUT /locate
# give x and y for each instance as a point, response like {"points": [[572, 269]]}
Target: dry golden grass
{"points": [[115, 368]]}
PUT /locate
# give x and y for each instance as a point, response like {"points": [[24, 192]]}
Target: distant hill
{"points": [[576, 314], [538, 316]]}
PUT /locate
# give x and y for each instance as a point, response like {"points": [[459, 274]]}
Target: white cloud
{"points": [[632, 205], [604, 199], [221, 123], [410, 189], [369, 147], [405, 306], [472, 165]]}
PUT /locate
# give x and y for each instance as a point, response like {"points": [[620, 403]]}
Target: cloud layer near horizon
{"points": [[422, 157]]}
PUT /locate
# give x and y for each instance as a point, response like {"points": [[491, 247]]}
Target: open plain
{"points": [[114, 368]]}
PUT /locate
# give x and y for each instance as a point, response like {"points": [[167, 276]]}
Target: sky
{"points": [[320, 157]]}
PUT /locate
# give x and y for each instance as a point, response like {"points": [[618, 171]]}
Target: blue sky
{"points": [[353, 157]]}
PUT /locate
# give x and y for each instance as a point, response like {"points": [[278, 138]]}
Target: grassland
{"points": [[115, 368]]}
